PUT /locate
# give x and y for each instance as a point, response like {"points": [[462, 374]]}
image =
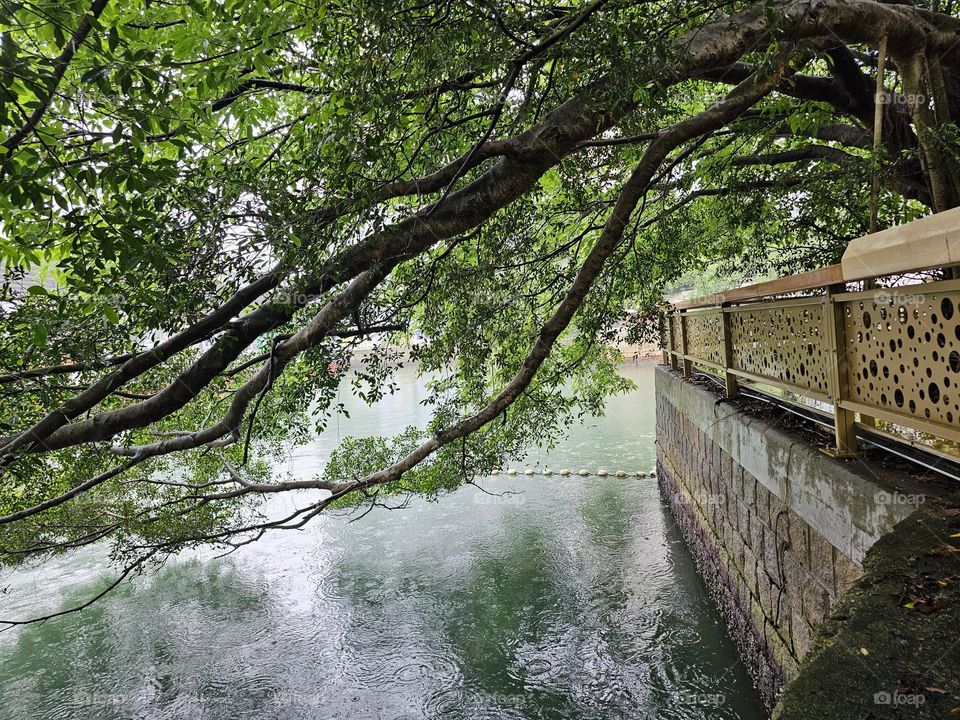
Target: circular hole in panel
{"points": [[946, 308]]}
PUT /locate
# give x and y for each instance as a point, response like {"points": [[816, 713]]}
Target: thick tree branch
{"points": [[141, 363], [715, 117], [810, 152]]}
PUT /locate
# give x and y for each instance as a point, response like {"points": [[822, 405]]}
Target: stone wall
{"points": [[778, 530]]}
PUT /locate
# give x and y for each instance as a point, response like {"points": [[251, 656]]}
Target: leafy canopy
{"points": [[207, 207]]}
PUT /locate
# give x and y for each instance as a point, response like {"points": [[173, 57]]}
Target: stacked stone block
{"points": [[773, 576]]}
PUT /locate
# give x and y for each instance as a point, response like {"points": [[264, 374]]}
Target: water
{"points": [[572, 598]]}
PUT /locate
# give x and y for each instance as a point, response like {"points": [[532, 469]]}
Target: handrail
{"points": [[930, 242], [891, 353], [813, 280]]}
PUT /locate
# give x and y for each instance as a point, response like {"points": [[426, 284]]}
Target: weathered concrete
{"points": [[891, 647], [779, 531]]}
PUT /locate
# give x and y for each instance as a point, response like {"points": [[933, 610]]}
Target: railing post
{"points": [[672, 321], [836, 346], [668, 340], [732, 387], [687, 365]]}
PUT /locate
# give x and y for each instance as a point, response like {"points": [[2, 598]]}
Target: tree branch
{"points": [[742, 97], [60, 65]]}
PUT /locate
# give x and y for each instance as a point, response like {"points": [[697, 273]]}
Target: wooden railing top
{"points": [[812, 280], [930, 242]]}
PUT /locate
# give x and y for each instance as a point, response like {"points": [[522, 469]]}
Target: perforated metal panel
{"points": [[705, 336], [892, 354], [903, 353], [783, 343]]}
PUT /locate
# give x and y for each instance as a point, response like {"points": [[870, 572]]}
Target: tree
{"points": [[206, 206]]}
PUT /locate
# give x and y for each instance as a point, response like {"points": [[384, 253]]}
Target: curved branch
{"points": [[743, 96], [124, 574], [811, 152], [140, 363], [60, 65], [534, 152]]}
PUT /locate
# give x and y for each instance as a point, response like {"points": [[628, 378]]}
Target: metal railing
{"points": [[889, 353]]}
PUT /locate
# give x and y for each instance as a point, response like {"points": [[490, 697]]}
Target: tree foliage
{"points": [[205, 208]]}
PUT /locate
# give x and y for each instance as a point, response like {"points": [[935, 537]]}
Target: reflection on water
{"points": [[572, 598]]}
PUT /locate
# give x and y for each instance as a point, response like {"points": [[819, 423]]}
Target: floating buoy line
{"points": [[567, 472]]}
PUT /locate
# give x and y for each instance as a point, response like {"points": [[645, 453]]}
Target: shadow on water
{"points": [[705, 664]]}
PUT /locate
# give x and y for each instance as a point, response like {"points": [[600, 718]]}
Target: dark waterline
{"points": [[573, 598]]}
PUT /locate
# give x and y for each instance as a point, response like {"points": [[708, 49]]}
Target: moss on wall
{"points": [[891, 646]]}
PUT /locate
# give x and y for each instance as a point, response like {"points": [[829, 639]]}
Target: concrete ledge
{"points": [[841, 500]]}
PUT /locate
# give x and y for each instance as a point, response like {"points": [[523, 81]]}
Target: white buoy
{"points": [[653, 473], [564, 471], [583, 472], [547, 471], [621, 473], [495, 471], [512, 471], [640, 473], [601, 473], [528, 471]]}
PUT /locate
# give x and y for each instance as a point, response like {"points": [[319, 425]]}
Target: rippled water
{"points": [[573, 598]]}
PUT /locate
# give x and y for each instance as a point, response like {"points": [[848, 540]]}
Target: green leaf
{"points": [[39, 334]]}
